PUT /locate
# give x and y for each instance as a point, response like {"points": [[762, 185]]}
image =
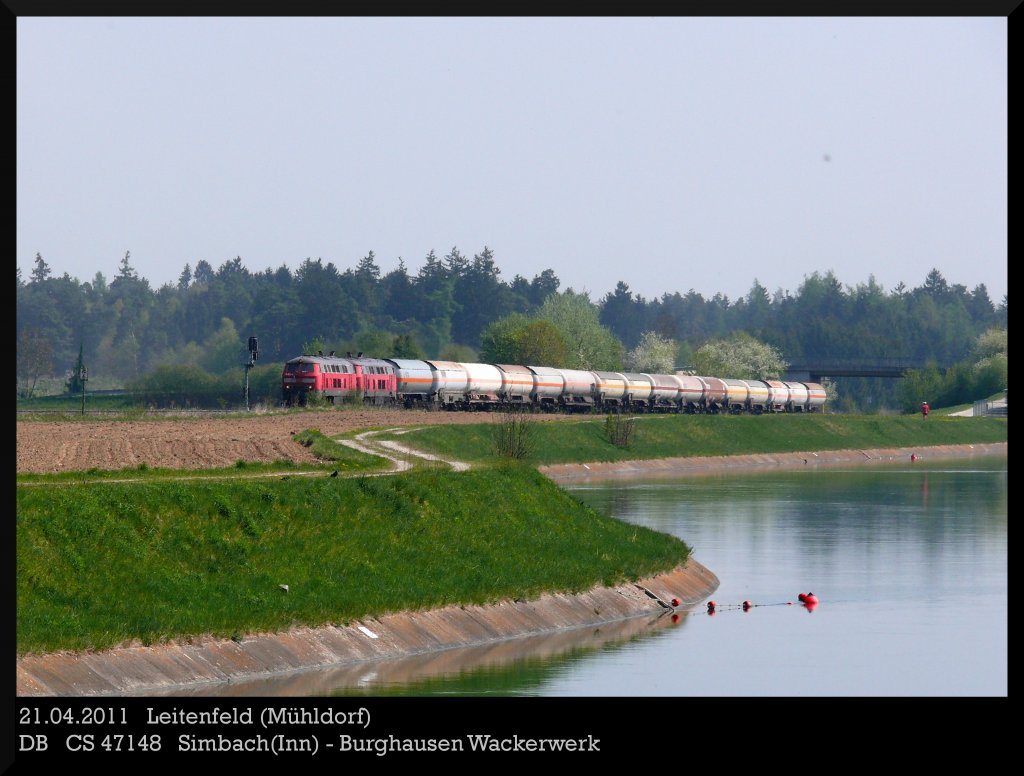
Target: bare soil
{"points": [[202, 442]]}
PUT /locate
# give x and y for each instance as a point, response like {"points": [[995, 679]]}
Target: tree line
{"points": [[461, 308]]}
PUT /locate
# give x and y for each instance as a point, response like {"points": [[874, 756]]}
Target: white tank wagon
{"points": [[758, 396], [416, 382], [815, 397], [451, 380], [778, 395], [639, 388], [691, 393], [714, 394], [737, 395], [609, 388], [579, 388], [548, 385], [483, 384], [665, 391], [798, 397], [517, 384]]}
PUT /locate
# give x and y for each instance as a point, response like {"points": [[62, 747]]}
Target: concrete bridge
{"points": [[810, 369]]}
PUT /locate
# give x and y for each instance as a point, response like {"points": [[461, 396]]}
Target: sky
{"points": [[670, 153]]}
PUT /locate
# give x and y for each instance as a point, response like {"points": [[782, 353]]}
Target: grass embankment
{"points": [[101, 565], [670, 436]]}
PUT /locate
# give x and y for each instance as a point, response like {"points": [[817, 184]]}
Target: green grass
{"points": [[344, 458], [692, 435], [100, 565], [72, 403]]}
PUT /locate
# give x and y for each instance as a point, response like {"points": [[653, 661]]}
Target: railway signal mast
{"points": [[253, 354], [83, 375]]}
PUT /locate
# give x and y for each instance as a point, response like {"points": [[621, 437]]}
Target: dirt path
{"points": [[386, 448]]}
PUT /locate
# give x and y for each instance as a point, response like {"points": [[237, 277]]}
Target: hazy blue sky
{"points": [[671, 153]]}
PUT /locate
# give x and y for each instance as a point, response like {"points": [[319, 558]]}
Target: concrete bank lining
{"points": [[672, 467], [208, 661]]}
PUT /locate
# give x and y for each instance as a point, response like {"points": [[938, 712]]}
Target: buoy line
{"points": [[808, 601]]}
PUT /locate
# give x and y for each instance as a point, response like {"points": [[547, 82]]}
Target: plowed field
{"points": [[200, 443]]}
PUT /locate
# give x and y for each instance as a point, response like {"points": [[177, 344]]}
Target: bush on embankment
{"points": [[669, 436], [103, 564]]}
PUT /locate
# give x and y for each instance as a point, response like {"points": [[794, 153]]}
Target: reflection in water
{"points": [[510, 667]]}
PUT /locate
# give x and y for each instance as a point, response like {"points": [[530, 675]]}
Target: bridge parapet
{"points": [[816, 368]]}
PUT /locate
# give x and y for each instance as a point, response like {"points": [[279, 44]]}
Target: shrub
{"points": [[619, 429], [514, 435]]}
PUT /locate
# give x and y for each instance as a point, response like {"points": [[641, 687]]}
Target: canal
{"points": [[908, 561]]}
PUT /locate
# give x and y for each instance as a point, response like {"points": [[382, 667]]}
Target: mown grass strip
{"points": [[100, 565], [671, 436]]}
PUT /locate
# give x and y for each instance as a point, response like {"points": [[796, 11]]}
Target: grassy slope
{"points": [[101, 564], [687, 435]]}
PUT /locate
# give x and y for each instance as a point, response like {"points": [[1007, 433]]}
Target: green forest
{"points": [[185, 343]]}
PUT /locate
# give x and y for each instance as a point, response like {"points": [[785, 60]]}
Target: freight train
{"points": [[459, 386]]}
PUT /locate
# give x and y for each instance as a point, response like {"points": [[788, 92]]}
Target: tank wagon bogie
{"points": [[451, 385]]}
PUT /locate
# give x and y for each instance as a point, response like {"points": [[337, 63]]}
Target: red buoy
{"points": [[747, 605], [913, 456], [711, 606], [810, 598], [675, 602], [802, 597]]}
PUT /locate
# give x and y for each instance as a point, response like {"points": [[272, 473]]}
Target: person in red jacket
{"points": [[924, 408]]}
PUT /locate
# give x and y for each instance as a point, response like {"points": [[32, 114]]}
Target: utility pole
{"points": [[253, 355], [83, 375]]}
